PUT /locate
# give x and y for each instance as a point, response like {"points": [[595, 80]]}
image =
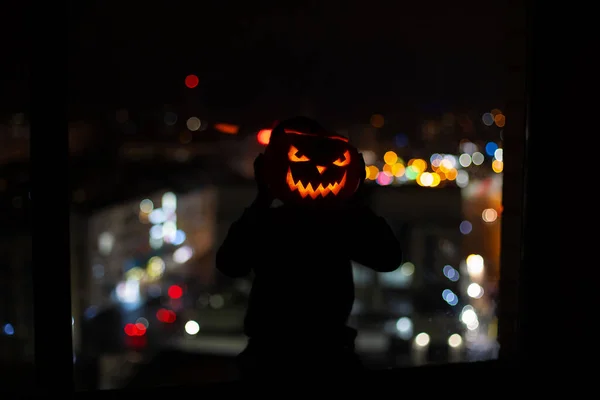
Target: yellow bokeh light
{"points": [[135, 273], [475, 264], [425, 179], [398, 170], [452, 174], [436, 179], [445, 165], [155, 267], [390, 158], [497, 166], [372, 172], [419, 165]]}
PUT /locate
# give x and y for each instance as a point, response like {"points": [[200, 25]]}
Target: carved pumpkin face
{"points": [[312, 168]]}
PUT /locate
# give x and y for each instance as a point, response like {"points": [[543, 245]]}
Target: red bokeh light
{"points": [[135, 329], [140, 327], [175, 292], [263, 136], [191, 81], [166, 316], [136, 342]]}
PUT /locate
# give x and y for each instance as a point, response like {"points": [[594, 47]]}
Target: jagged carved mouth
{"points": [[307, 189]]}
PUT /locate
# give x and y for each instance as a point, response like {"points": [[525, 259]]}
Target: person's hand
{"points": [[263, 197], [358, 199], [351, 210]]}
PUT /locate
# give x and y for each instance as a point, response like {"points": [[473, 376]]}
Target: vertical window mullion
{"points": [[514, 187], [49, 157]]}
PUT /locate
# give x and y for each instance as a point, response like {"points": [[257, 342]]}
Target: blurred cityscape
{"points": [[154, 193]]}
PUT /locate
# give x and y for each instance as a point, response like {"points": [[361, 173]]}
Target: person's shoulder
{"points": [[276, 213]]}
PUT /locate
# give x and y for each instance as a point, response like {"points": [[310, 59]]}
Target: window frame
{"points": [[52, 278]]}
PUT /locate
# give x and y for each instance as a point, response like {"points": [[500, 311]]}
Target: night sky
{"points": [[345, 59], [375, 54]]}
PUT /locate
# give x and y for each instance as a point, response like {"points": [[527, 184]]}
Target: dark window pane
{"points": [[16, 284], [159, 176]]}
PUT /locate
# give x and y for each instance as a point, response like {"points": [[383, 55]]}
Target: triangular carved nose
{"points": [[321, 168]]}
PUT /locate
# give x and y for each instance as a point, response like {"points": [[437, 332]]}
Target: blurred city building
{"points": [[401, 305], [16, 284], [149, 210]]}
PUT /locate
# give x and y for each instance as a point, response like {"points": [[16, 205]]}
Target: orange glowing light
{"points": [[228, 129], [293, 155], [344, 160], [263, 136], [308, 190], [191, 81], [292, 132]]}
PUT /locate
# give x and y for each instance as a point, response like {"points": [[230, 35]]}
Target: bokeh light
{"points": [[191, 81]]}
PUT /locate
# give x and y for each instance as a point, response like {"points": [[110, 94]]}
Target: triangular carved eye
{"points": [[295, 156], [343, 160]]}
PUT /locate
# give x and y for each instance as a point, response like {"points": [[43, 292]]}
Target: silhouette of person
{"points": [[303, 289]]}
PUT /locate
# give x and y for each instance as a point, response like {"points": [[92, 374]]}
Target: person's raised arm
{"points": [[372, 242], [241, 248]]}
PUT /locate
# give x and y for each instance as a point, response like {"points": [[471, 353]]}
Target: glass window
{"points": [[159, 176], [16, 284]]}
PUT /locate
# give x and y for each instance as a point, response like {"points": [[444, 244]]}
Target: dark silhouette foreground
{"points": [[303, 288]]}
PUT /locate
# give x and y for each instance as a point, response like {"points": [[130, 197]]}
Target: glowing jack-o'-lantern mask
{"points": [[305, 164]]}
